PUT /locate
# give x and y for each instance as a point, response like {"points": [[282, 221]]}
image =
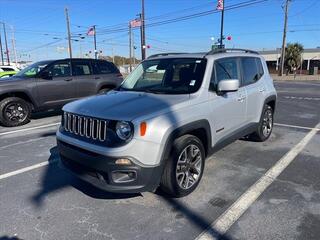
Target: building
{"points": [[310, 60]]}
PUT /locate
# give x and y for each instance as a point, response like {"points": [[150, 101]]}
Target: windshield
{"points": [[168, 76], [33, 69]]}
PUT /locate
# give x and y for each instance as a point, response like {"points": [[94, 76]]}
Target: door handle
{"points": [[68, 79], [97, 78], [262, 89], [241, 98]]}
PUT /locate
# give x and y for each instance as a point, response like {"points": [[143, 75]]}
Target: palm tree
{"points": [[293, 56]]}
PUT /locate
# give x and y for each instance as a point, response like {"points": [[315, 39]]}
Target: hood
{"points": [[125, 106]]}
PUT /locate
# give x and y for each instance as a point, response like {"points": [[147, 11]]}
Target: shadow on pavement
{"points": [[196, 219], [55, 179], [39, 115]]}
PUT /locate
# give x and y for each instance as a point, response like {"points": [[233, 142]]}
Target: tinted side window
{"points": [[260, 67], [226, 68], [81, 68], [252, 70], [61, 69], [104, 67], [6, 69]]}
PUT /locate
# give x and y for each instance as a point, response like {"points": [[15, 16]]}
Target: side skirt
{"points": [[246, 130]]}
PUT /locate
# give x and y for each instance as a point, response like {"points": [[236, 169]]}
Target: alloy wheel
{"points": [[189, 166]]}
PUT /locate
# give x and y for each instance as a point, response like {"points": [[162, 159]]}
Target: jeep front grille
{"points": [[92, 128]]}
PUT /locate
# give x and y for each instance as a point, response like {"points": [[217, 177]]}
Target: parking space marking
{"points": [[235, 211], [26, 169], [295, 126], [29, 129], [303, 98]]}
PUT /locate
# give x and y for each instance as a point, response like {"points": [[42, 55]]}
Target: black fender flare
{"points": [[185, 129]]}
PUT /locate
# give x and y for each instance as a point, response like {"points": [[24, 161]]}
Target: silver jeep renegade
{"points": [[170, 114]]}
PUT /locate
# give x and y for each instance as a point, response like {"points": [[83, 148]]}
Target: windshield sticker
{"points": [[192, 83], [198, 61]]}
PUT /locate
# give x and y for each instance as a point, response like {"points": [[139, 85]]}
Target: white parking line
{"points": [[231, 215], [26, 169], [295, 126], [29, 129]]}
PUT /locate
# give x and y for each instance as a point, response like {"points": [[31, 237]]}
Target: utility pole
{"points": [[95, 42], [69, 38], [222, 21], [6, 43], [1, 50], [142, 29], [283, 48], [133, 50], [130, 46], [14, 45]]}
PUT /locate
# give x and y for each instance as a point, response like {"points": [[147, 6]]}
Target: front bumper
{"points": [[102, 172]]}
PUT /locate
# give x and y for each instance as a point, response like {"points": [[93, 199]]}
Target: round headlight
{"points": [[124, 130]]}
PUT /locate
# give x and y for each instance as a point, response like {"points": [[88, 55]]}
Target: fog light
{"points": [[123, 161], [124, 176]]}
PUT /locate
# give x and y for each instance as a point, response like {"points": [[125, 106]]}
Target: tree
{"points": [[119, 60], [293, 56]]}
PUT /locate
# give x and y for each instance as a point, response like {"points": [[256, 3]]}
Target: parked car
{"points": [[51, 84], [168, 116], [8, 71]]}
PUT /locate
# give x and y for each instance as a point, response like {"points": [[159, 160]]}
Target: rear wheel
{"points": [[14, 112], [184, 169], [265, 125]]}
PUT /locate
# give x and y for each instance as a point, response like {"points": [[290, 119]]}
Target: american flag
{"points": [[135, 23], [220, 5], [91, 31]]}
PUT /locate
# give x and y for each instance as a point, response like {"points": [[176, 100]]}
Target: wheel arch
{"points": [[201, 129], [20, 94], [271, 101]]}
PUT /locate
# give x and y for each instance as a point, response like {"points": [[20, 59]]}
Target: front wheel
{"points": [[184, 168], [103, 91], [265, 125], [14, 112]]}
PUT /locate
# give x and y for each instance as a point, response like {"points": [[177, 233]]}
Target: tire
{"points": [[103, 91], [174, 178], [265, 125], [14, 112]]}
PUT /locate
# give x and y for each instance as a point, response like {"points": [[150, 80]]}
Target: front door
{"points": [[59, 88], [228, 109]]}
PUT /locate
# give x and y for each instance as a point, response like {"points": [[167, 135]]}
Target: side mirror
{"points": [[229, 85], [46, 75]]}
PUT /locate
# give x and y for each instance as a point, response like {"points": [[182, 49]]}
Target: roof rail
{"points": [[164, 54], [222, 50]]}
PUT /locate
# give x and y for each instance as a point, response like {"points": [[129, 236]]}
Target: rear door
{"points": [[59, 89], [229, 109], [84, 78], [252, 74], [107, 74]]}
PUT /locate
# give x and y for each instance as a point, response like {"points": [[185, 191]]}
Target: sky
{"points": [[40, 25]]}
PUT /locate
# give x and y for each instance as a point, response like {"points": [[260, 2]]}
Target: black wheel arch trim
{"points": [[270, 99], [17, 93]]}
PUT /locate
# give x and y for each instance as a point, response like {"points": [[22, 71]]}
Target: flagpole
{"points": [[95, 42], [130, 46], [222, 21]]}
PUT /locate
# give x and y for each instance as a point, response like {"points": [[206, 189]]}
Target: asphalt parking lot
{"points": [[249, 190]]}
